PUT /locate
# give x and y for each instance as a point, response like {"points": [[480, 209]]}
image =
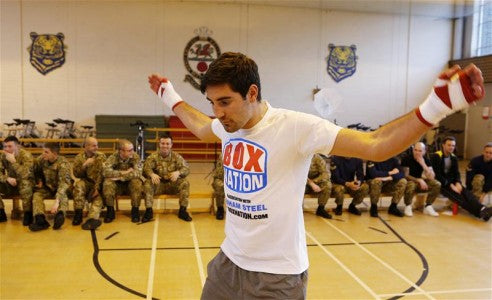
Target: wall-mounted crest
{"points": [[342, 61], [198, 54], [47, 51]]}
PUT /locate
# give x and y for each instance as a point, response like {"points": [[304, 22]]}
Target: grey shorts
{"points": [[225, 280]]}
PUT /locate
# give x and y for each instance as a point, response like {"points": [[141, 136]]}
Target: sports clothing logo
{"points": [[244, 166]]}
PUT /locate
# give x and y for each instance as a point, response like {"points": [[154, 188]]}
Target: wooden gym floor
{"points": [[449, 257]]}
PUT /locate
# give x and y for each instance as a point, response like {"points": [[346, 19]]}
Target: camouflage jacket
{"points": [[55, 176], [219, 169], [114, 165], [93, 172], [317, 170], [162, 166], [22, 169]]}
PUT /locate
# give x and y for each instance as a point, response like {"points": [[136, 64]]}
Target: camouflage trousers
{"points": [[112, 188], [44, 193], [338, 191], [395, 188], [434, 188], [82, 191], [219, 194], [323, 195], [180, 187], [23, 188], [478, 182]]}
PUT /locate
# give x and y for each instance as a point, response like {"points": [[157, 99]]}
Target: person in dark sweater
{"points": [[445, 165], [479, 173], [347, 176], [386, 176]]}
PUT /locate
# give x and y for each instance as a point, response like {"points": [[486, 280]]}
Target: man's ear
{"points": [[252, 94]]}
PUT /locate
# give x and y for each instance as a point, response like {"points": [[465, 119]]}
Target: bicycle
{"points": [[139, 140]]}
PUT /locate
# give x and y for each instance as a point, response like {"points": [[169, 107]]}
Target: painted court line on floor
{"points": [[150, 280], [381, 261], [197, 253], [365, 286], [438, 292]]}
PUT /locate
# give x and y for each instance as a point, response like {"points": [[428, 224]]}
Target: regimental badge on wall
{"points": [[198, 54], [47, 51], [342, 61]]}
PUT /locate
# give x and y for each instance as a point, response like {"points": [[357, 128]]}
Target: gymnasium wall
{"points": [[112, 46]]}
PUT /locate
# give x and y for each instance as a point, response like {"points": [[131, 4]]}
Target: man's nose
{"points": [[219, 113]]}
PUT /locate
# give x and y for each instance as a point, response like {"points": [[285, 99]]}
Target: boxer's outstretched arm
{"points": [[454, 91], [196, 121]]}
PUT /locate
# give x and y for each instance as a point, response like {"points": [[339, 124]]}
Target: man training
{"points": [[267, 152]]}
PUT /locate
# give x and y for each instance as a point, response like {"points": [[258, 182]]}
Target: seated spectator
{"points": [[88, 169], [386, 176], [348, 177], [479, 173], [166, 173], [420, 179], [318, 183], [16, 177], [218, 186], [52, 176], [122, 175], [445, 165]]}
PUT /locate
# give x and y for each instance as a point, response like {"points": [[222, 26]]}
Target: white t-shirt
{"points": [[265, 171]]}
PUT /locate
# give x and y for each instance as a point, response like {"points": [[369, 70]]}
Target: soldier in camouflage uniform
{"points": [[122, 175], [218, 186], [166, 173], [88, 168], [16, 176], [318, 182], [479, 173], [52, 176], [386, 176]]}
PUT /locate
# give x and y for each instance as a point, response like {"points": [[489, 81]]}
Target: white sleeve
{"points": [[314, 134]]}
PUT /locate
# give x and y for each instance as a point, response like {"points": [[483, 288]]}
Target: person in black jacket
{"points": [[479, 173], [347, 176], [445, 165]]}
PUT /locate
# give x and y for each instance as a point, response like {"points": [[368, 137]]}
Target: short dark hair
{"points": [[53, 146], [489, 144], [11, 138], [235, 69], [448, 138], [165, 136]]}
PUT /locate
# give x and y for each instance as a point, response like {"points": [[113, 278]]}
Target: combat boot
{"points": [[40, 223], [109, 214], [135, 215], [3, 216], [59, 220], [373, 211], [148, 215], [220, 213], [393, 210], [353, 210], [77, 218], [91, 224], [183, 214], [338, 210], [27, 218], [322, 212]]}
